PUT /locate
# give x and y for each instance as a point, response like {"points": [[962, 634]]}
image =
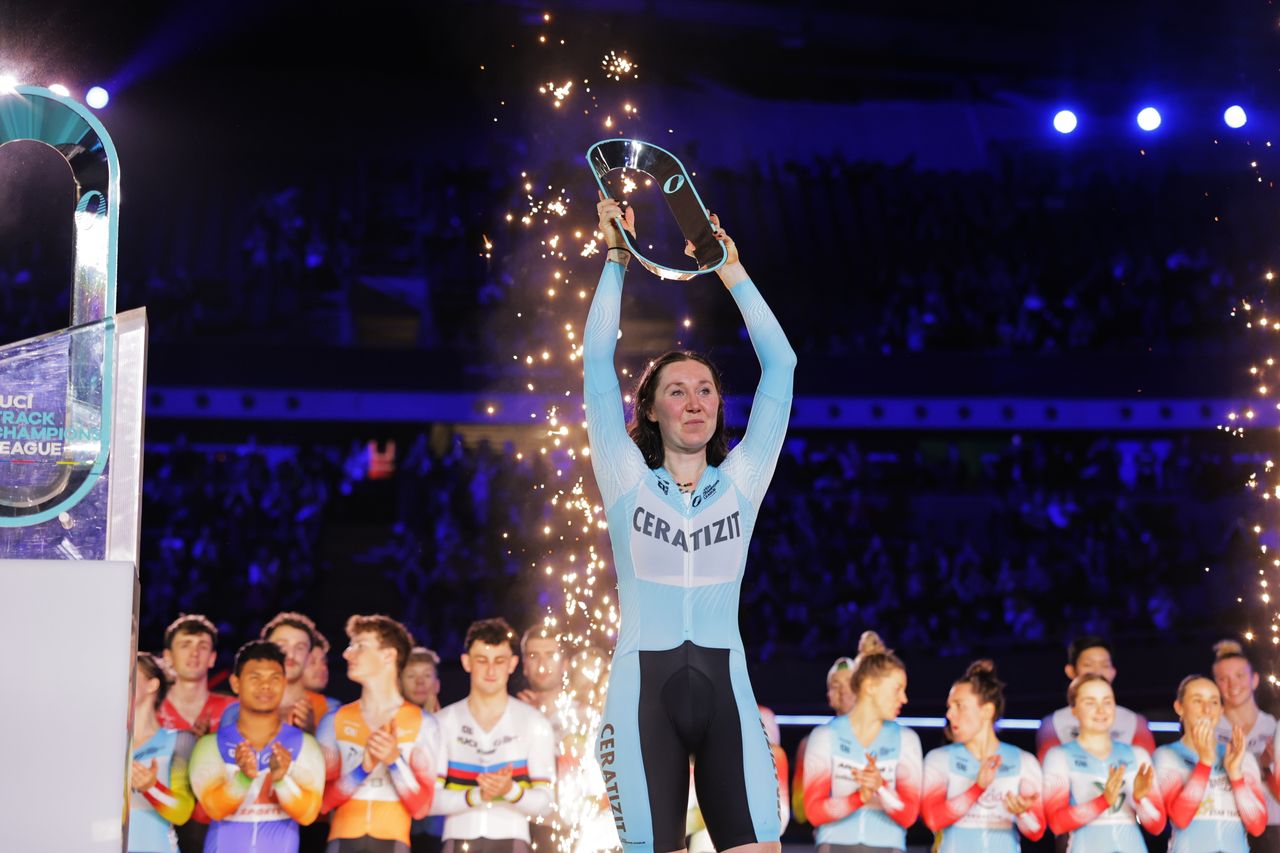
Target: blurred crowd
{"points": [[1031, 256], [961, 542]]}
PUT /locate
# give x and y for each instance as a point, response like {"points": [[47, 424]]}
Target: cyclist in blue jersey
{"points": [[1213, 793], [979, 793], [841, 700], [161, 793], [681, 508], [1098, 790], [862, 779]]}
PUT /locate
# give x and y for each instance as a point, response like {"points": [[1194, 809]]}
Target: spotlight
{"points": [[97, 97], [1149, 119], [1234, 116], [1065, 121], [59, 89], [8, 84]]}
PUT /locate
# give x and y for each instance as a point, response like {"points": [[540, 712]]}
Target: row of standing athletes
{"points": [[279, 767], [484, 766], [1097, 781]]}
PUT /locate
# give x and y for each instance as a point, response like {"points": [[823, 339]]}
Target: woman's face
{"points": [[686, 405], [967, 714], [1200, 699], [144, 688], [839, 694], [887, 695], [418, 682], [1095, 707]]}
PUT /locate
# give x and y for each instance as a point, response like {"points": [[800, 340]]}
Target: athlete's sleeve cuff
{"points": [[889, 798], [287, 784], [1148, 809]]}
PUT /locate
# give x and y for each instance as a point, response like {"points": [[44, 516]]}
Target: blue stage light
{"points": [[97, 97], [1149, 119], [1234, 116], [1065, 121]]}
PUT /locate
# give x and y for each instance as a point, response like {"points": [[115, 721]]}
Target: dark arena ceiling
{"points": [[202, 53]]}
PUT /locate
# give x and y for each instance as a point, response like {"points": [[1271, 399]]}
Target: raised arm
{"points": [[616, 460], [751, 463]]}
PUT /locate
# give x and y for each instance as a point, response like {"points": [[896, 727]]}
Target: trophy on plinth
{"points": [[71, 416]]}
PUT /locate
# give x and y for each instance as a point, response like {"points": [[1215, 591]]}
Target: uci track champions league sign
{"points": [[31, 434], [70, 400]]}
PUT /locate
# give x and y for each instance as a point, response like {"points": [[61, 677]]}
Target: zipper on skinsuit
{"points": [[687, 599]]}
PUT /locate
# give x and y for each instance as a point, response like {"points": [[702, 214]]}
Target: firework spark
{"points": [[559, 92], [618, 65], [566, 547], [1264, 378]]}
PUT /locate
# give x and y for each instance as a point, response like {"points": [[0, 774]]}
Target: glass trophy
{"points": [[621, 166], [71, 417]]}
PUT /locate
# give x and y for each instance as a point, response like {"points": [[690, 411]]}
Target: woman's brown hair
{"points": [[1080, 681], [981, 678], [151, 668], [873, 660]]}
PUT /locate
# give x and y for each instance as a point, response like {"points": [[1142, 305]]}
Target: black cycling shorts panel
{"points": [[687, 710]]}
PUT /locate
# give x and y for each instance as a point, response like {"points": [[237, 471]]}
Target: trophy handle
{"points": [[35, 113], [31, 114], [677, 188]]}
